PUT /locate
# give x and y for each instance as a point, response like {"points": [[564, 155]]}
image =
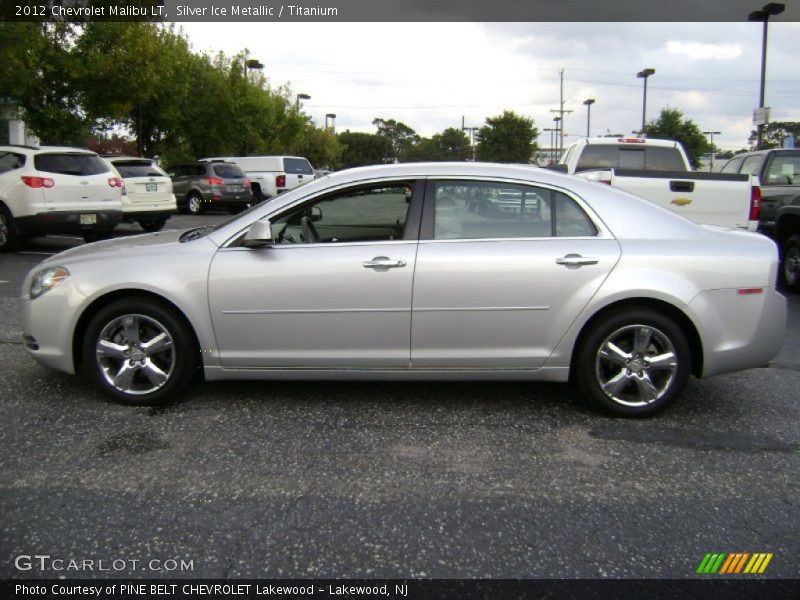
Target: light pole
{"points": [[711, 134], [644, 74], [557, 121], [297, 100], [332, 126], [588, 102], [252, 64], [771, 9]]}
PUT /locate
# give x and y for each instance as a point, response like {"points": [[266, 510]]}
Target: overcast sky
{"points": [[430, 74]]}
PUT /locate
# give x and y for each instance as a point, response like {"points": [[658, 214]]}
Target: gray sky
{"points": [[430, 74]]}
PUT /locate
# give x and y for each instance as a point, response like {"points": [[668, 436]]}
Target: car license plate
{"points": [[88, 219], [235, 188], [151, 187]]}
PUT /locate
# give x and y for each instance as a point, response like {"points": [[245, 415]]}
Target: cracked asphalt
{"points": [[396, 480]]}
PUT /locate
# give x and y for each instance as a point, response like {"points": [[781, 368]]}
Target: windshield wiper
{"points": [[195, 233]]}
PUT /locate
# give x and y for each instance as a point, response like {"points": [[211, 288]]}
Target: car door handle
{"points": [[382, 262], [576, 260]]}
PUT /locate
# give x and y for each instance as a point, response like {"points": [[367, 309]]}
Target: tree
{"points": [[508, 138], [775, 133], [401, 136], [450, 144], [364, 149], [671, 125], [321, 147]]}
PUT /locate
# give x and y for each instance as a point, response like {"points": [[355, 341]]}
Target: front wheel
{"points": [[139, 351], [790, 267], [634, 363]]}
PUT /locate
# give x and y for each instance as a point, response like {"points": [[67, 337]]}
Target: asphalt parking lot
{"points": [[330, 480]]}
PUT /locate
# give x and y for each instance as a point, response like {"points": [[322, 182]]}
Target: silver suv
{"points": [[55, 189], [199, 186]]}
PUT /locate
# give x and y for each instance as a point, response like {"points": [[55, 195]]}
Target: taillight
{"points": [[280, 181], [115, 182], [631, 140], [37, 182], [755, 203], [214, 181], [246, 182]]}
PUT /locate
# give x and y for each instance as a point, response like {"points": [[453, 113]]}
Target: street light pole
{"points": [[557, 121], [771, 9], [332, 126], [588, 104], [297, 101], [644, 74], [711, 134]]}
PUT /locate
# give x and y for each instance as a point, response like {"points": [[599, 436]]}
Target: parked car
{"points": [[271, 175], [658, 171], [779, 173], [147, 196], [384, 273], [199, 186], [55, 189]]}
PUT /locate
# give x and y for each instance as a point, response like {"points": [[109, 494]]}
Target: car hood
{"points": [[122, 245]]}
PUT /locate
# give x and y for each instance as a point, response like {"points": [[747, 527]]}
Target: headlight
{"points": [[46, 280]]}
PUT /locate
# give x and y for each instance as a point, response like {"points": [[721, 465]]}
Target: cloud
{"points": [[701, 51]]}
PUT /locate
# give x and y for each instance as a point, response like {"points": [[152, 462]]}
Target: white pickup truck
{"points": [[658, 171]]}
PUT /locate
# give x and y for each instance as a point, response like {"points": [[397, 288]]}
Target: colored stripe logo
{"points": [[723, 563]]}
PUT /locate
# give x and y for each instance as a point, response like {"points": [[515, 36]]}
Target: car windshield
{"points": [[140, 168], [71, 163], [228, 171]]}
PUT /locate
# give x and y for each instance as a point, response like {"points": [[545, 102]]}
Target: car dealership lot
{"points": [[315, 479]]}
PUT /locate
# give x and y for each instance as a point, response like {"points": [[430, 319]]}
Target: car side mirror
{"points": [[316, 213], [259, 235]]}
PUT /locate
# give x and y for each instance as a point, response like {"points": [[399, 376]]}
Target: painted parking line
{"points": [[4, 281]]}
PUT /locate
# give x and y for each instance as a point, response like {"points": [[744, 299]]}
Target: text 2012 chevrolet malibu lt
{"points": [[449, 271]]}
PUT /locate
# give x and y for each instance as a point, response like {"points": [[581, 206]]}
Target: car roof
{"points": [[611, 141], [33, 149]]}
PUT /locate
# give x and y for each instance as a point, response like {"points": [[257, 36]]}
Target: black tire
{"points": [[151, 225], [9, 240], [634, 387], [257, 195], [194, 204], [148, 318], [790, 265]]}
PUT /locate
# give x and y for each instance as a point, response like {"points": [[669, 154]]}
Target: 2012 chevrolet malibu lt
{"points": [[449, 271]]}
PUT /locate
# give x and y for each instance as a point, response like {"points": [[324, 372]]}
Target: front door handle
{"points": [[383, 262], [576, 260]]}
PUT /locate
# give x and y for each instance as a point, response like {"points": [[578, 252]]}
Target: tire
{"points": [[625, 383], [194, 204], [151, 225], [790, 265], [131, 373], [257, 195], [9, 240]]}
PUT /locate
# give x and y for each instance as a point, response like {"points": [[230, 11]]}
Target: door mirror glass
{"points": [[259, 235]]}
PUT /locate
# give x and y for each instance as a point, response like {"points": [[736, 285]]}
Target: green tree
{"points": [[508, 138], [450, 145], [775, 133], [671, 125], [321, 147], [401, 136], [364, 149], [38, 74]]}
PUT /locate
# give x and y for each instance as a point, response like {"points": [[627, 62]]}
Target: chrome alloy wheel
{"points": [[791, 266], [194, 205], [135, 354], [636, 365]]}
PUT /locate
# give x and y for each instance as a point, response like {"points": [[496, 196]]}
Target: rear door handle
{"points": [[383, 262], [576, 260]]}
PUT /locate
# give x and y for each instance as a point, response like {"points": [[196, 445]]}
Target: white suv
{"points": [[147, 196], [54, 189]]}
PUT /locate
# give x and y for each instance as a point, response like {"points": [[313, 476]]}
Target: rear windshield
{"points": [[297, 166], [784, 169], [227, 171], [651, 158], [71, 164], [10, 161], [138, 168]]}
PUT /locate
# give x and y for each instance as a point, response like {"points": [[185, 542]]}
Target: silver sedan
{"points": [[391, 272]]}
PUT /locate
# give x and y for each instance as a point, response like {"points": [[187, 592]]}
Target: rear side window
{"points": [[752, 164], [71, 164], [652, 158], [10, 161], [297, 166], [227, 171], [732, 166], [139, 168]]}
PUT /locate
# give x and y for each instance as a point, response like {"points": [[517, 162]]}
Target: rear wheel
{"points": [[634, 363], [194, 204], [139, 352], [8, 236], [151, 225], [790, 267]]}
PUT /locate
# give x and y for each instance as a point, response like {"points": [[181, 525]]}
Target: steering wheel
{"points": [[309, 231]]}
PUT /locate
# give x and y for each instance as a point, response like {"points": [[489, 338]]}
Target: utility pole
{"points": [[561, 112]]}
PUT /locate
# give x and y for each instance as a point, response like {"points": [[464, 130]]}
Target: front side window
{"points": [[488, 210], [364, 214]]}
